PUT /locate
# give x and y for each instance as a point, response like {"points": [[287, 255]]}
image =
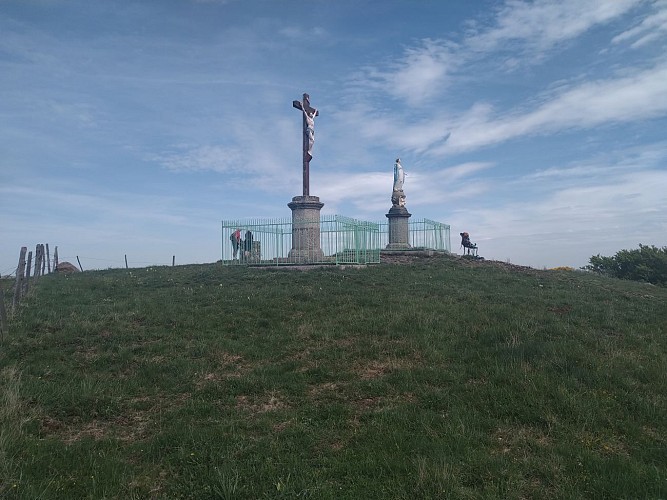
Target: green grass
{"points": [[439, 378]]}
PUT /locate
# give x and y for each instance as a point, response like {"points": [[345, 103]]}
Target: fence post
{"points": [[37, 264], [18, 288], [173, 261], [77, 259], [55, 259], [48, 258], [126, 262], [43, 254], [3, 315], [27, 272]]}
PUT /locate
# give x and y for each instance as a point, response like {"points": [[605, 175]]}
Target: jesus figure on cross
{"points": [[309, 114]]}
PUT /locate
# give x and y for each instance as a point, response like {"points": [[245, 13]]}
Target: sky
{"points": [[133, 128]]}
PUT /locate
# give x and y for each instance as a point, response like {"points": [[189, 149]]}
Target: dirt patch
{"points": [[270, 402], [378, 368], [128, 428], [320, 389], [87, 353], [281, 426], [230, 366], [519, 440], [131, 426], [560, 310]]}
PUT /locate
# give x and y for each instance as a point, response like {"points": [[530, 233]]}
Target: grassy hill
{"points": [[436, 378]]}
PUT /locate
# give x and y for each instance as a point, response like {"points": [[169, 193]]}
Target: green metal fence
{"points": [[343, 240], [422, 234]]}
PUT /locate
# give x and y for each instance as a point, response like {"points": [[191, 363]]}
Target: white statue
{"points": [[309, 130], [397, 194], [399, 175]]}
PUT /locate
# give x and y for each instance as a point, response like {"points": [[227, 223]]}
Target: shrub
{"points": [[648, 263]]}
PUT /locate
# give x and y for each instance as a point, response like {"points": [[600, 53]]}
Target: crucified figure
{"points": [[309, 129], [309, 113]]}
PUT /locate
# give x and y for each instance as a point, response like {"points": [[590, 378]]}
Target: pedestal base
{"points": [[399, 231], [305, 230]]}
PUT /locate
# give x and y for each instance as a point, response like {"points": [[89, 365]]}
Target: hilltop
{"points": [[439, 377]]}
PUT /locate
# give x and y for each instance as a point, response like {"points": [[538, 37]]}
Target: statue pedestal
{"points": [[305, 229], [399, 234]]}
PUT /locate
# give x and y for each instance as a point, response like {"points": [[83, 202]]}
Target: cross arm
{"points": [[309, 109]]}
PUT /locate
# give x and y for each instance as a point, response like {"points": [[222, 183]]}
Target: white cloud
{"points": [[370, 192], [542, 24], [424, 70], [627, 98], [301, 33], [418, 75], [421, 73], [652, 27], [568, 225], [215, 158]]}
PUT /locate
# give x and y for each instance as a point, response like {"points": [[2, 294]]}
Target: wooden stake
{"points": [[38, 263], [77, 259], [126, 262], [173, 261], [55, 259], [3, 315], [18, 288], [43, 253], [27, 273], [48, 258]]}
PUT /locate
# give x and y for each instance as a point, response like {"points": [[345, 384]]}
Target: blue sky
{"points": [[134, 127]]}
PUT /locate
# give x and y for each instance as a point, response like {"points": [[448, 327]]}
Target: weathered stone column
{"points": [[399, 231], [305, 229]]}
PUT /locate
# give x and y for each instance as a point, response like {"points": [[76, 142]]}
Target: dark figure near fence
{"points": [[236, 242], [247, 245], [469, 248]]}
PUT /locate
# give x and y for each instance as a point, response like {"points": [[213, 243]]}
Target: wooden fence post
{"points": [[27, 273], [55, 259], [126, 262], [48, 258], [37, 267], [77, 259], [43, 253], [173, 261], [3, 315], [18, 289]]}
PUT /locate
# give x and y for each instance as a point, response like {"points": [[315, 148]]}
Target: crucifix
{"points": [[309, 113]]}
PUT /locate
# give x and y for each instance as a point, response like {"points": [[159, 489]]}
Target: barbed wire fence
{"points": [[15, 282]]}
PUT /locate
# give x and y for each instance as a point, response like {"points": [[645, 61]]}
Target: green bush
{"points": [[648, 264]]}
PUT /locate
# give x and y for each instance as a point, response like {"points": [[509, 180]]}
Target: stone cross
{"points": [[309, 113]]}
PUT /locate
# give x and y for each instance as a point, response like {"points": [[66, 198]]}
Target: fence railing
{"points": [[422, 234], [343, 240], [269, 242]]}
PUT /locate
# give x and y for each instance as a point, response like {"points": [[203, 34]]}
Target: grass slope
{"points": [[438, 378]]}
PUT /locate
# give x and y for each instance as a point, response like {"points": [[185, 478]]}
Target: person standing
{"points": [[236, 242]]}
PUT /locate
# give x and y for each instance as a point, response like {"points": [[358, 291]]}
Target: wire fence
{"points": [[341, 240]]}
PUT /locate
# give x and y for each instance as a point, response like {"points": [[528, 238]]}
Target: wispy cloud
{"points": [[651, 28], [599, 206], [424, 70], [419, 74], [370, 192], [640, 96], [542, 24]]}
